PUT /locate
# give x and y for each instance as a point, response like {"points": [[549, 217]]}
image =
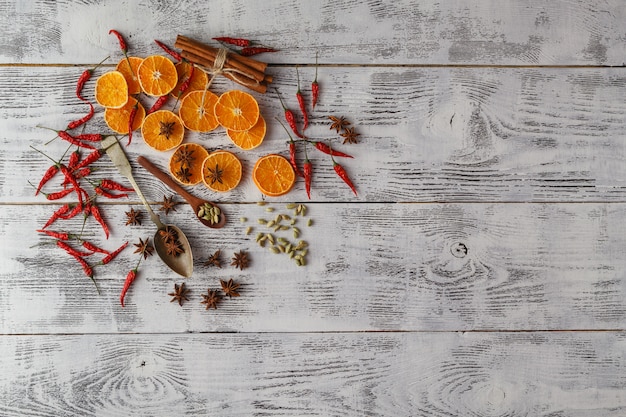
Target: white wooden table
{"points": [[479, 272]]}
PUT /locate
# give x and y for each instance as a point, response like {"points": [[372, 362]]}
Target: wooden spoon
{"points": [[195, 202]]}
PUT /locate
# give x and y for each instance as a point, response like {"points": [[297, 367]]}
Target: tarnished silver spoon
{"points": [[181, 263]]}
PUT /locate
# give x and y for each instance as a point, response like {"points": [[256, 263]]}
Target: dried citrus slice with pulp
{"points": [[237, 110], [186, 163], [221, 171], [157, 75], [162, 130], [197, 111], [111, 90], [117, 119], [130, 73], [273, 175], [198, 81], [251, 138]]}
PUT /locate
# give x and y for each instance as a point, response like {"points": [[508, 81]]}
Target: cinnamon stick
{"points": [[254, 69]]}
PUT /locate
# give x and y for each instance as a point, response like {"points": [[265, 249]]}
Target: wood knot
{"points": [[459, 250]]}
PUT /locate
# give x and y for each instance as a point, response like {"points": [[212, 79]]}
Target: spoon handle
{"points": [[154, 170]]}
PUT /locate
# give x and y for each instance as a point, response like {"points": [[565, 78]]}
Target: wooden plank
{"points": [[531, 32], [411, 374], [370, 267], [426, 134]]}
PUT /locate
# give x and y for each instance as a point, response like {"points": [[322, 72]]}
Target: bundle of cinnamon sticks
{"points": [[242, 70]]}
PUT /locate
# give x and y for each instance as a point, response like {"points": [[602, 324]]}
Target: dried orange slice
{"points": [[251, 138], [186, 163], [273, 175], [111, 90], [130, 73], [199, 79], [157, 75], [117, 119], [221, 171], [197, 115], [162, 130], [237, 110]]}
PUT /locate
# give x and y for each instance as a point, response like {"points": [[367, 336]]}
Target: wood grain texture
{"points": [[410, 374], [370, 267], [531, 32], [427, 135]]}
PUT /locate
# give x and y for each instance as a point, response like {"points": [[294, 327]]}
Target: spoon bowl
{"points": [[179, 262], [195, 202]]}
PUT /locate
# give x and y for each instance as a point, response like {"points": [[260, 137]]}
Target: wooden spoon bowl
{"points": [[195, 202]]}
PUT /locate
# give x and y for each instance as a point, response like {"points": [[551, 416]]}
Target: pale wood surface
{"points": [[479, 272]]}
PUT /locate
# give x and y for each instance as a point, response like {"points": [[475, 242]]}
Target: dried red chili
{"points": [[307, 170], [90, 246], [113, 254], [344, 176], [95, 212], [114, 185], [47, 176], [90, 137], [300, 98], [131, 120], [72, 251], [56, 235], [120, 39], [84, 77], [292, 158], [90, 159], [57, 215], [69, 176], [74, 124], [78, 208], [73, 140], [158, 104], [132, 274], [169, 50], [289, 116], [315, 87], [322, 147], [59, 194], [104, 193], [74, 158], [254, 50], [234, 41]]}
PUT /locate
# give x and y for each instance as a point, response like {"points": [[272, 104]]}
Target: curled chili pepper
{"points": [[169, 50], [254, 50], [132, 274], [158, 104], [315, 87], [113, 254], [57, 215], [49, 174], [234, 41], [120, 39], [290, 117], [131, 120], [300, 98], [322, 147], [78, 208], [74, 124], [84, 77]]}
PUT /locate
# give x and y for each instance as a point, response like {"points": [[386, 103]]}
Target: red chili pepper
{"points": [[84, 77], [129, 280], [90, 159], [74, 124], [74, 141], [168, 50], [59, 194], [344, 176], [57, 215], [49, 174], [86, 268], [71, 214], [121, 40], [321, 146], [90, 246], [114, 185], [82, 173], [74, 158], [234, 41], [315, 87], [56, 235], [254, 50], [158, 104], [131, 120], [292, 158], [72, 251], [289, 116], [113, 254], [305, 116], [90, 137], [106, 194], [69, 176], [185, 85], [95, 212], [307, 169]]}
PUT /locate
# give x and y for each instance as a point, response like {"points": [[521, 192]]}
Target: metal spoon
{"points": [[195, 202], [181, 264]]}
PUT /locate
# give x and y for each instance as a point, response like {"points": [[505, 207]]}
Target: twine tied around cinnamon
{"points": [[219, 68]]}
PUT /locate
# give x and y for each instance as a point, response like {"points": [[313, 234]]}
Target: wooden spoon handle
{"points": [[167, 180]]}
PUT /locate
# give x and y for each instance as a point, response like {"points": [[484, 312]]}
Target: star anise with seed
{"points": [[184, 156], [350, 136], [215, 175], [168, 204], [133, 217], [338, 123], [166, 129], [168, 234], [230, 288], [179, 294], [144, 248], [183, 174], [240, 260], [173, 247], [214, 260], [211, 298]]}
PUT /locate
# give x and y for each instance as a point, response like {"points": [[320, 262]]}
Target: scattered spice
{"points": [[180, 294], [173, 247], [350, 136], [230, 288], [338, 123], [240, 260], [211, 298], [215, 259], [133, 217], [168, 204], [144, 248], [168, 234]]}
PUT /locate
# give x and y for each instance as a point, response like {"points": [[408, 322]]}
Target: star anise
{"points": [[350, 136], [211, 298], [179, 294], [168, 204], [338, 123], [184, 156], [215, 175], [166, 129], [144, 248], [183, 174], [230, 288], [214, 260], [133, 217], [173, 247], [168, 234], [240, 260]]}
